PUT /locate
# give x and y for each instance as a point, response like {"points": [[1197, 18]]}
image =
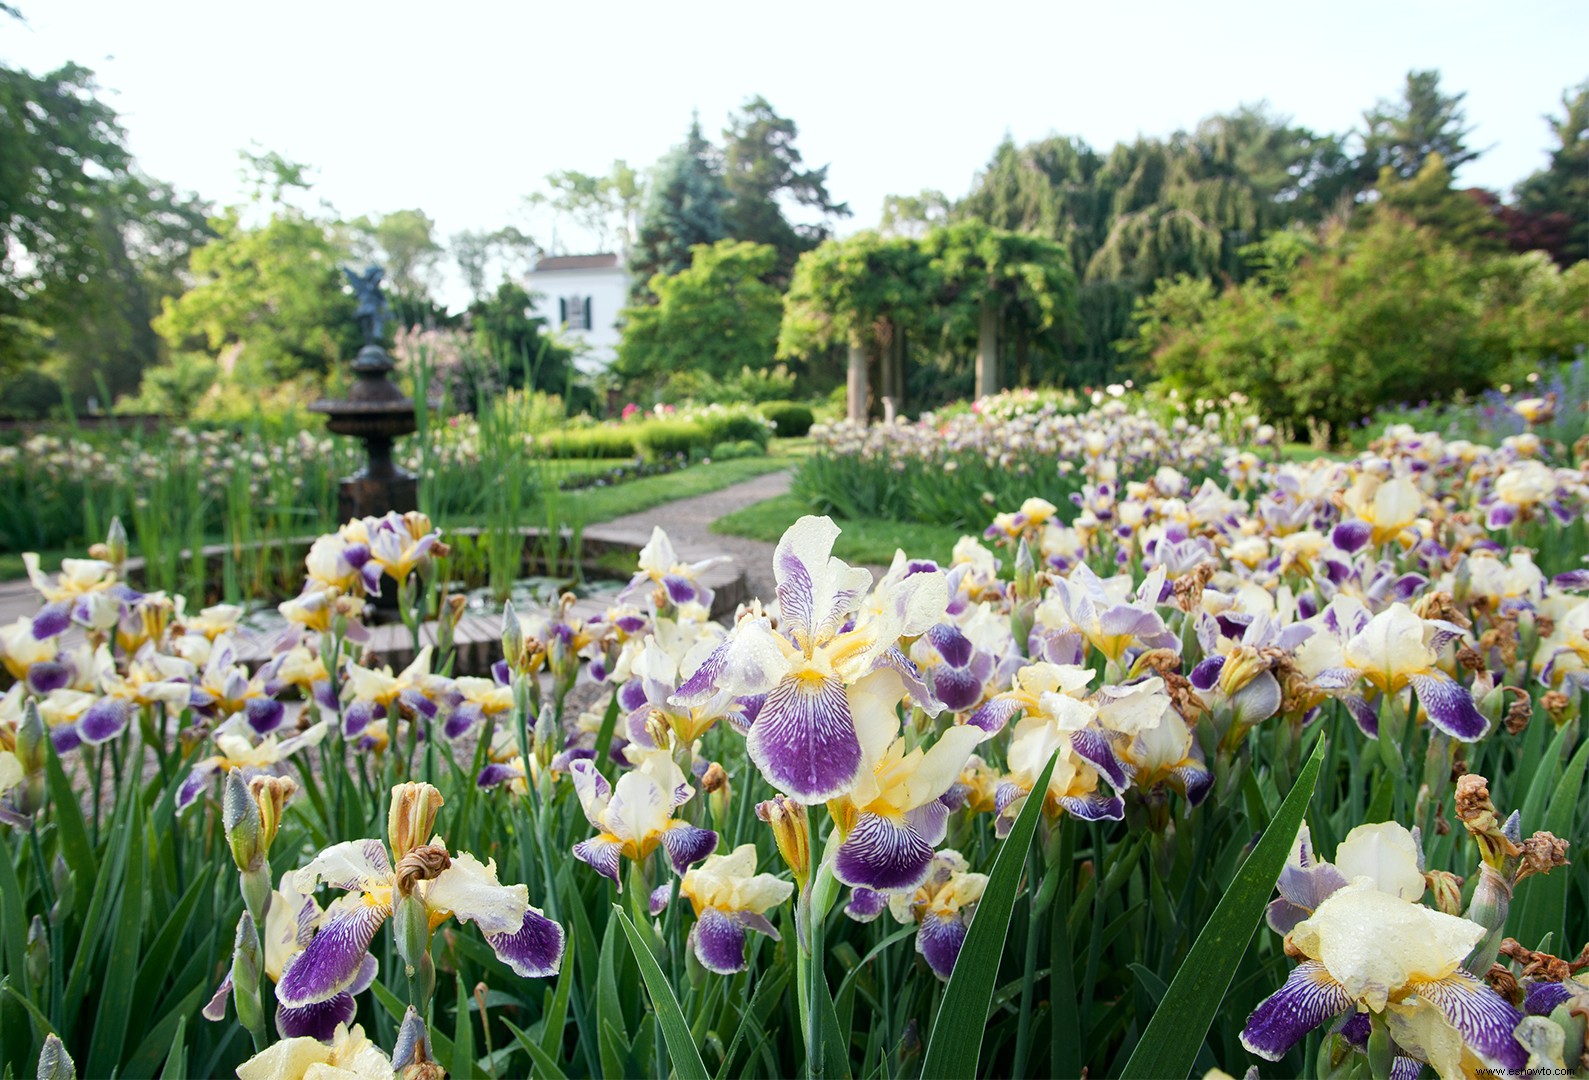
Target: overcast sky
{"points": [[461, 108]]}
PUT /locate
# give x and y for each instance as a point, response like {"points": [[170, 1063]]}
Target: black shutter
{"points": [[590, 324], [562, 311]]}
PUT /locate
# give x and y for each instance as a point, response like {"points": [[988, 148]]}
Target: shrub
{"points": [[659, 437], [597, 441], [790, 419]]}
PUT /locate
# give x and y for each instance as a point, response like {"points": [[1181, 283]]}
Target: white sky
{"points": [[461, 108]]}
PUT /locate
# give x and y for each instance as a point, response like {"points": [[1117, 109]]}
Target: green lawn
{"points": [[863, 540], [592, 505]]}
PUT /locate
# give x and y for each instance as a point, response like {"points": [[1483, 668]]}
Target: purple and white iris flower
{"points": [[634, 817], [730, 898], [236, 750], [1370, 952], [1391, 652], [463, 888], [224, 688], [942, 907], [86, 592], [1056, 717], [893, 817], [833, 660], [376, 694], [667, 582]]}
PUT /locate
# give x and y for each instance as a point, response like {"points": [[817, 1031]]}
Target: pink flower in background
{"points": [[630, 410]]}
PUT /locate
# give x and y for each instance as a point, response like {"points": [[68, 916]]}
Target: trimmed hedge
{"points": [[791, 418]]}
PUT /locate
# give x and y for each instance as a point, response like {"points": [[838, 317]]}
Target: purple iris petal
{"points": [[494, 774], [1572, 580], [1351, 535], [1308, 998], [1093, 747], [1449, 705], [601, 855], [719, 942], [264, 714], [317, 1020], [1094, 807], [332, 961], [687, 844], [358, 716], [1336, 678], [194, 783], [462, 720], [939, 940], [1485, 1019], [1500, 516], [104, 720], [417, 703], [995, 714], [1206, 673], [51, 619], [215, 1009], [1366, 715], [534, 950], [48, 675], [804, 740], [1195, 781], [1356, 1028], [702, 684], [956, 687], [865, 904], [883, 854], [951, 644], [65, 737], [680, 589], [632, 695], [1543, 997], [660, 897]]}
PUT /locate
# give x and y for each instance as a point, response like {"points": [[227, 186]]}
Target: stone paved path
{"points": [[688, 523]]}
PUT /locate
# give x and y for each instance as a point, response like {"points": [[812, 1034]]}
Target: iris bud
{"points": [[792, 831], [38, 952], [244, 830], [54, 1062], [411, 815]]}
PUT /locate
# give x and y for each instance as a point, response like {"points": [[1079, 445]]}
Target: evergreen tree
{"points": [[761, 167], [1401, 135], [1556, 198], [684, 208]]}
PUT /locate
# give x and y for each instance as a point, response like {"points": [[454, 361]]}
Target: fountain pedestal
{"points": [[376, 412]]}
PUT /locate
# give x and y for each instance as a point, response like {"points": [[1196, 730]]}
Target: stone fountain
{"points": [[376, 412]]}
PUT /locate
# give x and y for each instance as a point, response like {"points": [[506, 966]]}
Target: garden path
{"points": [[688, 523]]}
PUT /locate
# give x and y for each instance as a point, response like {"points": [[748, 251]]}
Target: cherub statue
{"points": [[372, 310]]}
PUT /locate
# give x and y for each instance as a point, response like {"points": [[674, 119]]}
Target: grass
{"points": [[864, 540], [593, 505]]}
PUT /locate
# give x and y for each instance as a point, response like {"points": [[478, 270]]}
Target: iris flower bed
{"points": [[1280, 769], [955, 468]]}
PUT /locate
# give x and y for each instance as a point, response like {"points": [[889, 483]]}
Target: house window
{"points": [[574, 312]]}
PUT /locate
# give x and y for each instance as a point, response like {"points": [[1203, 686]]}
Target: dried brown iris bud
{"points": [[1503, 982], [1469, 659], [1440, 605], [1447, 890], [1557, 706], [1479, 816], [714, 779], [423, 863], [1542, 853], [1520, 712]]}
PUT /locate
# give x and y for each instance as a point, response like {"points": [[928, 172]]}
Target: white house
{"points": [[580, 296]]}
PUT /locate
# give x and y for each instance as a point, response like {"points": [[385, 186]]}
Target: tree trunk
{"points": [[858, 388], [899, 369], [988, 350]]}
